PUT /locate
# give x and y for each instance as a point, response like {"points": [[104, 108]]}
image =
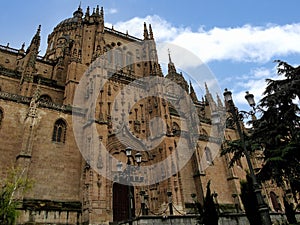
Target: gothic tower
{"points": [[67, 118]]}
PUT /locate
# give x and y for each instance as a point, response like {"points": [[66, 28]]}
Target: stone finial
{"points": [[146, 34], [151, 32]]}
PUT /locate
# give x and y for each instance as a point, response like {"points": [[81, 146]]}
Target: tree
{"points": [[249, 201], [277, 130], [14, 186], [210, 213]]}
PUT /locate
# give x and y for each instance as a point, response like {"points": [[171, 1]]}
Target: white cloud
{"points": [[163, 30], [247, 43], [255, 84], [111, 11], [242, 44], [255, 44]]}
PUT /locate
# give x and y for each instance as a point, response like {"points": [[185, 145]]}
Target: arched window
{"points": [[108, 53], [45, 98], [129, 61], [59, 131], [208, 156], [118, 58], [275, 202]]}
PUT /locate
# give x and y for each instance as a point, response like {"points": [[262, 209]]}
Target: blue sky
{"points": [[237, 40]]}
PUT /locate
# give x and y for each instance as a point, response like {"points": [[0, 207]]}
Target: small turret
{"points": [[78, 13], [146, 34], [176, 77], [22, 49], [87, 14], [97, 11], [151, 32], [102, 12], [171, 66]]}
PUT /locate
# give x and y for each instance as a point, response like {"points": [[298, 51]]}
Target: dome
{"points": [[68, 21], [77, 17]]}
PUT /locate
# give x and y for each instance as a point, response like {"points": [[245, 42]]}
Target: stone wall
{"points": [[226, 219]]}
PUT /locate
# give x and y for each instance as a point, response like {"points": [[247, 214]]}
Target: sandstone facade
{"points": [[37, 131]]}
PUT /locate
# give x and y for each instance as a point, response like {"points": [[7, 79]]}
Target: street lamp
{"points": [[262, 207], [138, 160]]}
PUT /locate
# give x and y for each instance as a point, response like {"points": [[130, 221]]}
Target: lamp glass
{"points": [[138, 157], [227, 95], [250, 98], [128, 151]]}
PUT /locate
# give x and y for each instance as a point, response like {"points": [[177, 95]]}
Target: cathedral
{"points": [[104, 135]]}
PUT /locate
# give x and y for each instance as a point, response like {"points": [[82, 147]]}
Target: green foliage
{"points": [[277, 130], [210, 213], [11, 189], [249, 201], [236, 148]]}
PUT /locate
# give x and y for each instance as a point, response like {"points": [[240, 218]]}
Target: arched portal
{"points": [[121, 202]]}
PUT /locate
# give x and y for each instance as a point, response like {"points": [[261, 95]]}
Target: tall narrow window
{"points": [[275, 202], [109, 55], [118, 58], [208, 155], [129, 61], [59, 131], [1, 117]]}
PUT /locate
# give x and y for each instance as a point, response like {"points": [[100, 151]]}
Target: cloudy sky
{"points": [[237, 40]]}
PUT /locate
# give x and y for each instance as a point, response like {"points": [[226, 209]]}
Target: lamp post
{"points": [[138, 160], [169, 193], [144, 199], [261, 205]]}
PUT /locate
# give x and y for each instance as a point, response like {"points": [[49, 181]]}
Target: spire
{"points": [[193, 93], [29, 64], [97, 10], [219, 101], [206, 88], [169, 53], [101, 12], [87, 13], [35, 42], [22, 49], [151, 32], [212, 103], [146, 35], [171, 66], [78, 13]]}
